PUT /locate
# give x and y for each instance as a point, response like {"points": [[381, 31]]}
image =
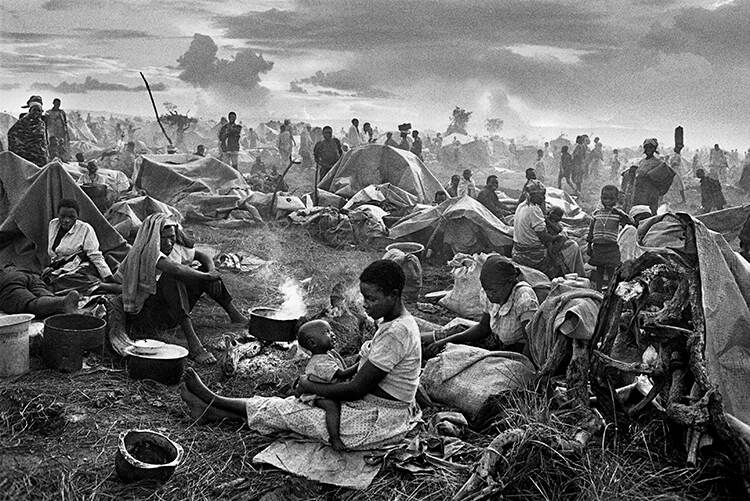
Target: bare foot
{"points": [[194, 384], [196, 407], [337, 444], [70, 302]]}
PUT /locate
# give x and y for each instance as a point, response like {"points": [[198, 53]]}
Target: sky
{"points": [[623, 70]]}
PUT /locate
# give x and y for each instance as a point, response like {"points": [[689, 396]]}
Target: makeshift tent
{"points": [[6, 122], [379, 164], [385, 194], [115, 180], [127, 216], [170, 177], [33, 194], [461, 220]]}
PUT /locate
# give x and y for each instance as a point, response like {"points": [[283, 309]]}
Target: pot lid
{"points": [[164, 352]]}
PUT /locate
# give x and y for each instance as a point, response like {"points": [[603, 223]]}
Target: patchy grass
{"points": [[58, 432]]}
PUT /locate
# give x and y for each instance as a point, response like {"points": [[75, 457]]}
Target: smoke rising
{"points": [[294, 300]]}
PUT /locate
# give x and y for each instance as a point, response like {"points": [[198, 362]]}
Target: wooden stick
{"points": [[156, 112]]}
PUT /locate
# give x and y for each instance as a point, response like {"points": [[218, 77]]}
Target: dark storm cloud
{"points": [[93, 84], [112, 34], [17, 36], [722, 33], [44, 63], [343, 80], [372, 24]]}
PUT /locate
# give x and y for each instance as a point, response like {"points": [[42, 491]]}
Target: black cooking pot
{"points": [[146, 455], [265, 326], [164, 366]]}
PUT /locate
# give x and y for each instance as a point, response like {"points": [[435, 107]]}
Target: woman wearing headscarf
{"points": [[534, 246], [649, 185], [159, 290], [503, 326]]}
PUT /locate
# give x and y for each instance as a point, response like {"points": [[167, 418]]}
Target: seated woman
{"points": [[513, 304], [533, 246], [377, 404], [76, 263], [159, 290]]}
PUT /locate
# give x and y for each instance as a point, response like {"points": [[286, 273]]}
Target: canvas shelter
{"points": [[378, 164]]}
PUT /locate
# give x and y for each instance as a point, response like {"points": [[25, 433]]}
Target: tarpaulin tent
{"points": [[127, 216], [459, 218], [385, 194], [464, 152], [33, 194], [171, 177], [6, 122], [379, 164]]}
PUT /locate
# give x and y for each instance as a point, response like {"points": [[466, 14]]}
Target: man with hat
{"points": [[27, 138], [57, 130]]}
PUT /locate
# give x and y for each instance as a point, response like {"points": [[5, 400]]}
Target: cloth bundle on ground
{"points": [[336, 228], [30, 196], [573, 214], [579, 307], [467, 298], [466, 225], [171, 177], [388, 196], [378, 164], [126, 216], [465, 377]]}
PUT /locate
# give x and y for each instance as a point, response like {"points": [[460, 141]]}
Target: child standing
{"points": [[603, 250], [325, 366]]}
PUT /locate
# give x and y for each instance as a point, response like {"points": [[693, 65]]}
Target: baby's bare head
{"points": [[316, 336]]}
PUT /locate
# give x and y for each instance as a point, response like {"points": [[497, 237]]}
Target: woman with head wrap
{"points": [[503, 326], [649, 185], [533, 246], [159, 290], [627, 239]]}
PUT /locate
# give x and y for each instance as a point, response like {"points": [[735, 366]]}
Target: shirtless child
{"points": [[325, 366]]}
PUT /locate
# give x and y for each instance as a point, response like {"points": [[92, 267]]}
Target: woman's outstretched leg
{"points": [[206, 412], [196, 387]]}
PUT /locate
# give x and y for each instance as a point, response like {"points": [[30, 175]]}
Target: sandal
{"points": [[203, 358]]}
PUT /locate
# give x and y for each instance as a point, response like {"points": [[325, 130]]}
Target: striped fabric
{"points": [[606, 226]]}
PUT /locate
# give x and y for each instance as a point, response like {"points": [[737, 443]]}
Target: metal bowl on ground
{"points": [[407, 248], [146, 455], [267, 326], [164, 365]]}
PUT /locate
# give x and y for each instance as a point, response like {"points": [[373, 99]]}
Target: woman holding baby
{"points": [[375, 398]]}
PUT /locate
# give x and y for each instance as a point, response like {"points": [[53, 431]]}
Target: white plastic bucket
{"points": [[14, 344]]}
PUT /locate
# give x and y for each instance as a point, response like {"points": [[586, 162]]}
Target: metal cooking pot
{"points": [[264, 326], [164, 366]]}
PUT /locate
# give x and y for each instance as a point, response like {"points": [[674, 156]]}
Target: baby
{"points": [[325, 366]]}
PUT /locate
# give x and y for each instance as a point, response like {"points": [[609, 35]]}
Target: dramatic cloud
{"points": [[200, 66], [112, 34], [57, 63], [92, 84], [344, 80]]}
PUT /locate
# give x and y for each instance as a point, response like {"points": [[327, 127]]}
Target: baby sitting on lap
{"points": [[325, 366]]}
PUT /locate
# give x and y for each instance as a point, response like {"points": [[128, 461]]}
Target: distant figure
{"points": [[57, 131], [354, 138], [306, 147], [27, 138], [81, 160], [466, 186], [285, 145], [540, 166], [646, 188], [452, 187], [404, 144], [368, 132], [200, 150], [596, 159], [602, 238], [530, 178], [696, 164], [92, 175], [566, 168], [389, 141], [327, 152], [416, 146], [488, 197], [513, 154], [579, 164], [440, 197], [252, 138], [626, 187], [744, 181], [712, 196], [229, 141], [717, 164], [675, 163], [614, 165]]}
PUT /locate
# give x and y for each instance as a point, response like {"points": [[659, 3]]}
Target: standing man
{"points": [[540, 167], [229, 141], [712, 196], [327, 152], [252, 138], [27, 138], [717, 164], [57, 130], [306, 147], [354, 138], [416, 145], [285, 145]]}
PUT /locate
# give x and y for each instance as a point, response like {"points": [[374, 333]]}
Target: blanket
{"points": [[579, 306]]}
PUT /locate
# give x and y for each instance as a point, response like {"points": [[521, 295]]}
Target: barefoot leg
{"points": [[203, 412], [196, 387]]}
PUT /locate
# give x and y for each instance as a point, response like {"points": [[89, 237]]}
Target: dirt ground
{"points": [[58, 432]]}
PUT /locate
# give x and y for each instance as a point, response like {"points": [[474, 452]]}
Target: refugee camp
{"points": [[376, 250]]}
